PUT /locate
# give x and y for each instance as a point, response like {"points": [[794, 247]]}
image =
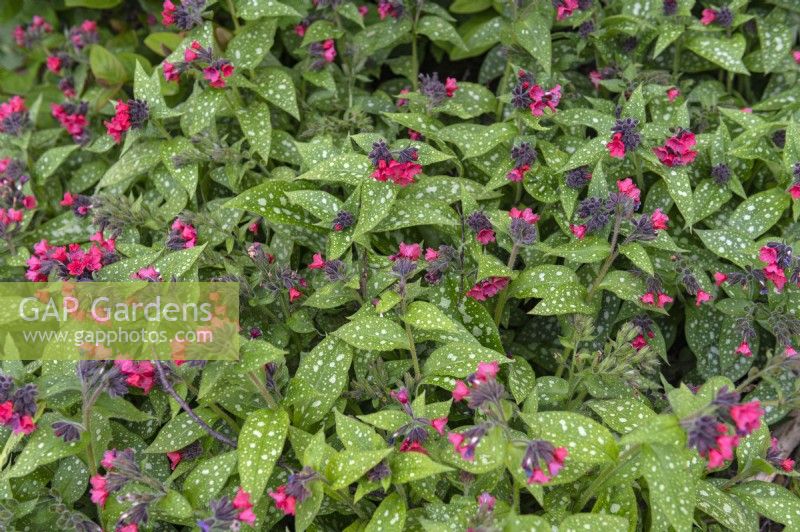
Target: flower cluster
{"points": [[83, 35], [399, 167], [794, 189], [716, 433], [14, 117], [522, 228], [595, 213], [227, 514], [487, 288], [527, 94], [13, 177], [677, 150], [390, 8], [625, 138], [130, 114], [524, 155], [322, 53], [182, 235], [214, 70], [72, 117], [722, 16], [187, 15], [17, 405], [27, 36], [287, 496], [334, 270], [434, 90], [138, 373], [482, 227], [578, 178], [72, 261], [414, 434], [439, 261], [342, 221]]}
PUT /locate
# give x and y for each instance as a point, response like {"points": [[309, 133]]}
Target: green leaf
{"points": [[257, 128], [469, 101], [185, 174], [567, 298], [634, 106], [636, 253], [259, 446], [723, 51], [163, 42], [532, 32], [521, 379], [667, 34], [729, 244], [350, 168], [623, 415], [596, 522], [624, 284], [428, 317], [587, 154], [106, 67], [726, 509], [671, 483], [148, 88], [275, 85], [252, 43], [255, 9], [71, 479], [390, 516], [759, 212], [680, 190], [208, 478], [177, 263], [438, 29], [408, 467], [180, 431], [356, 435], [459, 359], [586, 440], [771, 500], [376, 202], [425, 211], [50, 160], [590, 249], [43, 447], [200, 109], [141, 158], [352, 464], [373, 333], [539, 281], [474, 140]]}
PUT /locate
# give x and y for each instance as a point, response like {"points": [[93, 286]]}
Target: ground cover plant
{"points": [[504, 265]]}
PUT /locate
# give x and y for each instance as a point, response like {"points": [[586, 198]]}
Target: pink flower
{"points": [[140, 374], [578, 230], [242, 502], [719, 278], [458, 444], [789, 351], [659, 219], [29, 202], [174, 459], [544, 99], [414, 135], [318, 263], [517, 174], [527, 215], [399, 173], [796, 55], [787, 464], [460, 391], [168, 13], [329, 53], [409, 446], [672, 94], [626, 186], [616, 148], [746, 110], [7, 411], [120, 123], [363, 10], [170, 72], [538, 477], [283, 502], [596, 77], [23, 424], [407, 251], [300, 30], [701, 297], [794, 191], [439, 424], [639, 342], [663, 299], [108, 459], [708, 16], [401, 396], [648, 298], [431, 254], [487, 370], [130, 527], [747, 416], [565, 8], [487, 288], [485, 236], [768, 255], [677, 150], [98, 492], [450, 86], [486, 501], [294, 294], [744, 349], [54, 64]]}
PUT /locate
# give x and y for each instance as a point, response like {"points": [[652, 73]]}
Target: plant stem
{"points": [[589, 493], [613, 255], [191, 413], [86, 421], [414, 52], [676, 60], [232, 9], [501, 303], [262, 389]]}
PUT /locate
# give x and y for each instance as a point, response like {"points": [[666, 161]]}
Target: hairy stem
{"points": [[186, 408], [501, 303], [262, 389]]}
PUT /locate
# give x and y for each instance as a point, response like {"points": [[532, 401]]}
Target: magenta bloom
{"points": [[659, 219], [616, 148], [708, 16], [677, 150], [672, 94], [747, 417], [450, 86]]}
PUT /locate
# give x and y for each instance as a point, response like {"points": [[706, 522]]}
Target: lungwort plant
{"points": [[503, 265]]}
